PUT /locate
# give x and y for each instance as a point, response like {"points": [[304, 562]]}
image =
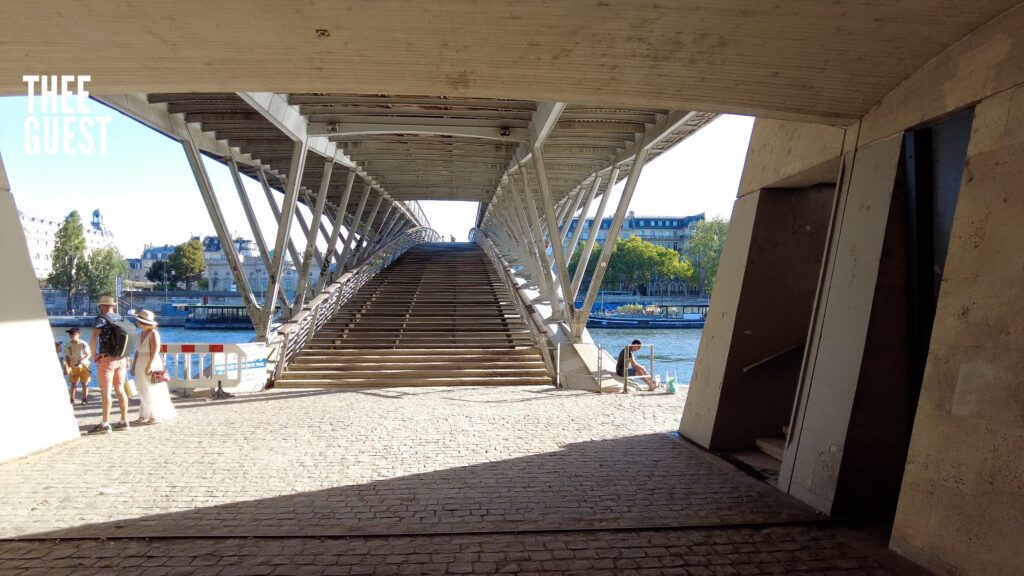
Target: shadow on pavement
{"points": [[640, 481]]}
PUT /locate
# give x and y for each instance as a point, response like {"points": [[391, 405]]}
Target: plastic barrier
{"points": [[219, 367]]}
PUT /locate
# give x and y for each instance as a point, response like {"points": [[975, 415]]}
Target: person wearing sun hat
{"points": [[108, 336], [156, 398]]}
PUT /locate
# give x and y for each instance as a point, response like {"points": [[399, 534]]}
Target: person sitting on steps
{"points": [[633, 368]]}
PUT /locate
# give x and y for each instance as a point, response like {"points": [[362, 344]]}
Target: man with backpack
{"points": [[110, 341]]}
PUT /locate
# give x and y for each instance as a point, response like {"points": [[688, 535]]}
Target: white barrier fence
{"points": [[219, 367]]}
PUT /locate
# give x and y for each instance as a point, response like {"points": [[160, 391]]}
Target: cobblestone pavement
{"points": [[404, 481], [695, 552]]}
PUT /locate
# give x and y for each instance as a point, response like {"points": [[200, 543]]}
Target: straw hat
{"points": [[146, 317], [107, 301]]}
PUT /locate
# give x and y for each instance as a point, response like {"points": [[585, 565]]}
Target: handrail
{"points": [[536, 332], [292, 336], [774, 356], [417, 211]]}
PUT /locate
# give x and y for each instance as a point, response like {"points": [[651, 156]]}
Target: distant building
{"points": [[41, 234], [672, 232], [666, 231], [137, 267], [218, 273]]}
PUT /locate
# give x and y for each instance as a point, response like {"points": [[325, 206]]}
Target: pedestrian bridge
{"points": [[361, 163]]}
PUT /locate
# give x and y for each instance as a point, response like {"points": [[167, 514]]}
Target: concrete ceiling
{"points": [[800, 59]]}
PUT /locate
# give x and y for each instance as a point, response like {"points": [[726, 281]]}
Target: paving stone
{"points": [[403, 481]]}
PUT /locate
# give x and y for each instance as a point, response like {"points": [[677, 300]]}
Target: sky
{"points": [[146, 192]]}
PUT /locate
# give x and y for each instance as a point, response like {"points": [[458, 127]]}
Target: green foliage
{"points": [[630, 309], [636, 262], [68, 256], [187, 262], [104, 265], [574, 261], [705, 250], [161, 273]]}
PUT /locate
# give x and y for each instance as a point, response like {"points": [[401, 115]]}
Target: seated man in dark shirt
{"points": [[626, 365]]}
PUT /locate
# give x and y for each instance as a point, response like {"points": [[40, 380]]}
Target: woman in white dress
{"points": [[156, 399]]}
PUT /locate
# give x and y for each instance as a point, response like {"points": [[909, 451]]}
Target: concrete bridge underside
{"points": [[867, 310]]}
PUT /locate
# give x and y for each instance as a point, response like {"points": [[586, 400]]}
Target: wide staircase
{"points": [[438, 316]]}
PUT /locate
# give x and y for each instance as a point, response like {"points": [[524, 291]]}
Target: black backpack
{"points": [[113, 338]]}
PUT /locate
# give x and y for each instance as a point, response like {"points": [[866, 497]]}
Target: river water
{"points": [[674, 350]]}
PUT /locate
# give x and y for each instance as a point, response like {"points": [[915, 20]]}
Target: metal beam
{"points": [[250, 215], [311, 235], [289, 119], [306, 228], [291, 197], [364, 240], [580, 321], [338, 131], [579, 223], [595, 227], [195, 160], [254, 225], [567, 218], [332, 243], [553, 234], [292, 252], [343, 261], [537, 236]]}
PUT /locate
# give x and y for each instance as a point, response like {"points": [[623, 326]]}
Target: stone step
{"points": [[286, 382], [410, 372], [774, 446]]}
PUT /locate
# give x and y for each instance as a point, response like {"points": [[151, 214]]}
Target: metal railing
{"points": [[293, 335], [600, 376], [417, 211], [537, 333]]}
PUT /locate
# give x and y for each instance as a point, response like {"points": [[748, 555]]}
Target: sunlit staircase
{"points": [[439, 316]]}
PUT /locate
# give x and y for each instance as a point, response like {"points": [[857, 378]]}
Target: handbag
{"points": [[129, 388], [158, 376]]}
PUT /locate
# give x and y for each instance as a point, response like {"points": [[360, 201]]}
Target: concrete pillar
{"points": [[749, 362], [839, 332], [961, 507], [35, 412]]}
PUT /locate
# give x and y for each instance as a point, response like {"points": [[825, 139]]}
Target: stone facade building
{"points": [[41, 233]]}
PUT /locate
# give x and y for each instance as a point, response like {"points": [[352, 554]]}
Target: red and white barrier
{"points": [[237, 367]]}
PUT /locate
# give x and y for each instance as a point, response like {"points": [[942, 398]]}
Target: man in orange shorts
{"points": [[111, 364]]}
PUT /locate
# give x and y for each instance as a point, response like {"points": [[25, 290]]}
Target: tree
{"points": [[68, 257], [635, 262], [574, 262], [104, 265], [161, 273], [705, 250], [187, 262]]}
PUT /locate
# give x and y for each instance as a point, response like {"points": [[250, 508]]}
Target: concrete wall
{"points": [[705, 391], [961, 508], [783, 260], [790, 154], [961, 502], [811, 465], [35, 412]]}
